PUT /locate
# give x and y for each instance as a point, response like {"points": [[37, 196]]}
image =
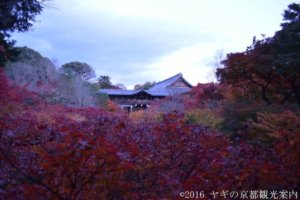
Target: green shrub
{"points": [[204, 117], [102, 100]]}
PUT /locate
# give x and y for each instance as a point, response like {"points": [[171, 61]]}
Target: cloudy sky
{"points": [[134, 41]]}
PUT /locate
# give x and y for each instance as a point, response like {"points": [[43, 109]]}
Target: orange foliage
{"points": [[90, 153]]}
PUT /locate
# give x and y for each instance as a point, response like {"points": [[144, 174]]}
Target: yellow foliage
{"points": [[144, 115], [149, 114], [137, 115], [112, 107], [274, 124], [204, 117], [76, 117]]}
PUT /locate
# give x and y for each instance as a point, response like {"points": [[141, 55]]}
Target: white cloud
{"points": [[134, 41]]}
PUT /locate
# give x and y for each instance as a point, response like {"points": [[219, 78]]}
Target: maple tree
{"points": [[57, 152], [269, 68], [89, 153]]}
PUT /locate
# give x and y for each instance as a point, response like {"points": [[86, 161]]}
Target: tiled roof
{"points": [[119, 91], [165, 83], [168, 91], [159, 89], [133, 92]]}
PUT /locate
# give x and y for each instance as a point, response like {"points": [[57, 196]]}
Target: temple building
{"points": [[137, 99]]}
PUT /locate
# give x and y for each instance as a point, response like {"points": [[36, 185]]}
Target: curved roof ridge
{"points": [[162, 85], [179, 75], [187, 81], [121, 91], [159, 89]]}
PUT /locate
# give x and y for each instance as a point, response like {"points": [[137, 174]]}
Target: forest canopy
{"points": [[234, 139]]}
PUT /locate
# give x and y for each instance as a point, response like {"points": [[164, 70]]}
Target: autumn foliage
{"points": [[242, 134], [54, 152]]}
